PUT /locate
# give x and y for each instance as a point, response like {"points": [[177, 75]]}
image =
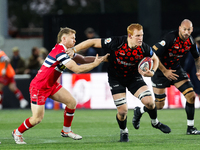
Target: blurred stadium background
{"points": [[36, 23]]}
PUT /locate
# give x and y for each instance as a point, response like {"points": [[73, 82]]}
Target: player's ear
{"points": [[191, 29], [179, 28], [130, 36]]}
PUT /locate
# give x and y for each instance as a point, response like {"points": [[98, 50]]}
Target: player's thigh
{"points": [[158, 90], [141, 90], [180, 83], [118, 96], [145, 95], [65, 97]]}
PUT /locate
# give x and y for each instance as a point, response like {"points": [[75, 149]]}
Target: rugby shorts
{"points": [[39, 96], [5, 80], [160, 81], [119, 84]]}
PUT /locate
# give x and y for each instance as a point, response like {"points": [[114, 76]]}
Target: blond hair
{"points": [[132, 27], [62, 31]]}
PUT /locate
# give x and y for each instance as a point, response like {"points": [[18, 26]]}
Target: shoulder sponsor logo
{"points": [[108, 40], [155, 48], [162, 43]]}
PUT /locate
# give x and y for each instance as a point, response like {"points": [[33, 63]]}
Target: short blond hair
{"points": [[132, 27], [62, 31]]}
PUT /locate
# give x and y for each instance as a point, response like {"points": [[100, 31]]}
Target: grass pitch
{"points": [[100, 131]]}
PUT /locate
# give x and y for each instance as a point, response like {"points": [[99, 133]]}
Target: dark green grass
{"points": [[99, 130]]}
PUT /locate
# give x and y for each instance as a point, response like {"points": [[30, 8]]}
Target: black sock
{"points": [[152, 113], [122, 124], [189, 108]]}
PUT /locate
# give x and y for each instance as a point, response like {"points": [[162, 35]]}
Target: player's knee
{"points": [[147, 99], [122, 111], [71, 103], [150, 105], [122, 114], [190, 97], [13, 89], [159, 105]]}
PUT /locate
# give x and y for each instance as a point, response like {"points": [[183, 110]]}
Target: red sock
{"points": [[1, 100], [18, 94], [25, 126], [68, 116]]}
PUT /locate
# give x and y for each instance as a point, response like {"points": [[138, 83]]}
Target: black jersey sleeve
{"points": [[194, 49], [112, 43], [167, 41]]}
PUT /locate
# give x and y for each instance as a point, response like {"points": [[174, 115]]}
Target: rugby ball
{"points": [[146, 62]]}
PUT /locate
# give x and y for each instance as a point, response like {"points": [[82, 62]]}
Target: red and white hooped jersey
{"points": [[52, 68]]}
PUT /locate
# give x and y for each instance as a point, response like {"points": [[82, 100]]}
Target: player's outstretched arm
{"points": [[71, 65], [88, 59], [80, 59], [88, 43], [84, 45]]}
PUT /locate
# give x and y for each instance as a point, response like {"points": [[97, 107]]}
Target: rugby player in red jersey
{"points": [[45, 85]]}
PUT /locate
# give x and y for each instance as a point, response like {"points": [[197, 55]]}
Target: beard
{"points": [[184, 37]]}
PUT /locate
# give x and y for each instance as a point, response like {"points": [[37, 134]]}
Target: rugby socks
{"points": [[18, 94], [68, 117], [143, 109], [189, 108], [122, 124], [26, 125], [153, 115]]}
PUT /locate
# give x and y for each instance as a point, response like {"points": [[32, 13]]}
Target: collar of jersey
{"points": [[63, 45]]}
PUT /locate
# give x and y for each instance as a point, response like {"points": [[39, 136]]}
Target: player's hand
{"points": [[198, 75], [98, 60], [3, 72], [170, 75], [147, 73], [70, 52], [105, 57]]}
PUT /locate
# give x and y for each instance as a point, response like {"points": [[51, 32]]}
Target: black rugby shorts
{"points": [[119, 84], [160, 81]]}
